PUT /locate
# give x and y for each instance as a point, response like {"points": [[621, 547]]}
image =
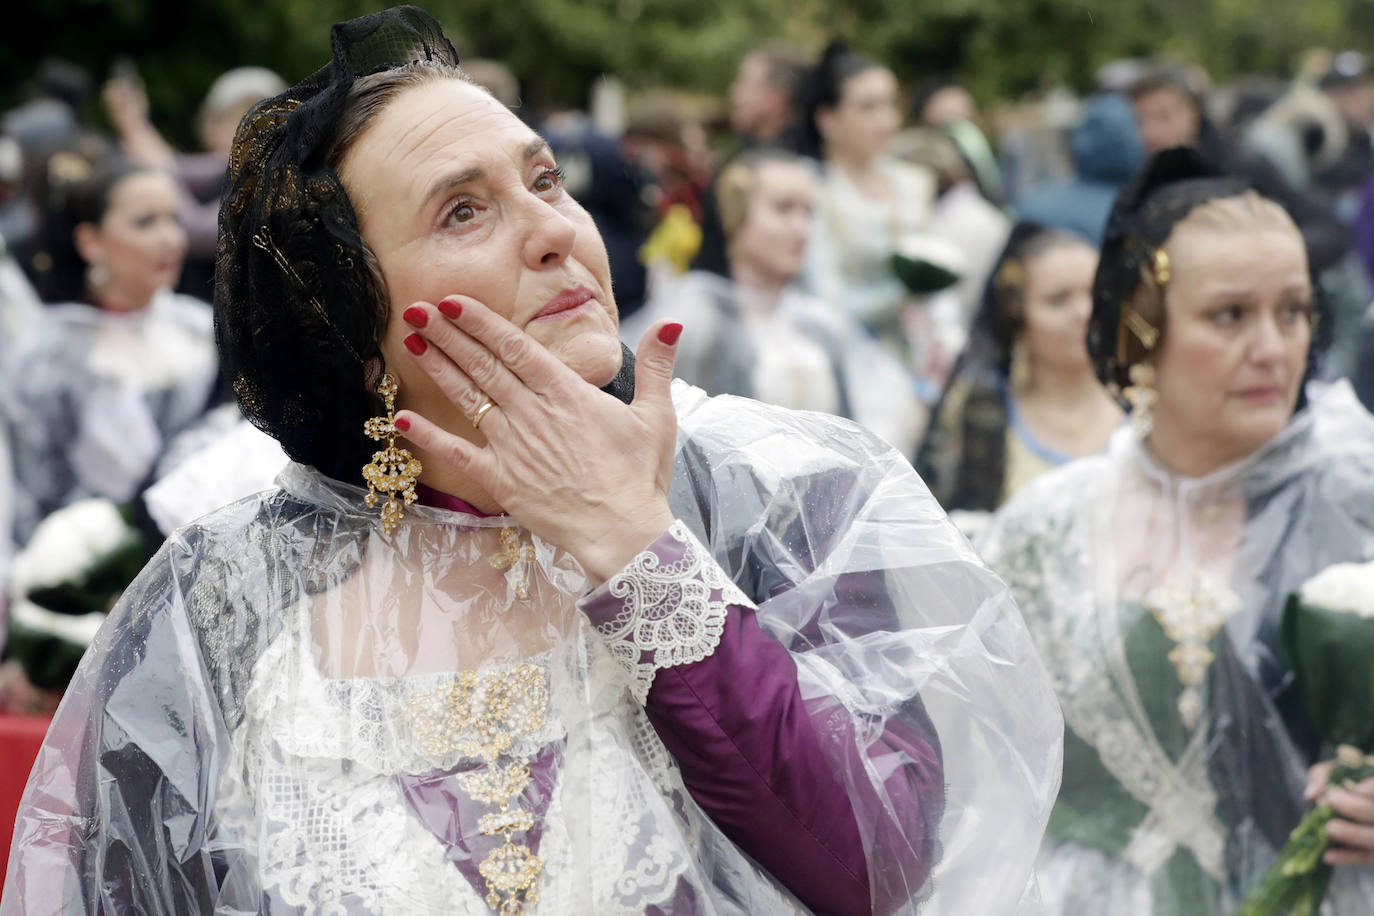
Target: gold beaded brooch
{"points": [[482, 716]]}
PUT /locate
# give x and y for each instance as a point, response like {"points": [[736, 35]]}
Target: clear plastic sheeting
{"points": [[248, 733], [1155, 601]]}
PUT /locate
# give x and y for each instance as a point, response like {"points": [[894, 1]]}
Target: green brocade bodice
{"points": [[1096, 811]]}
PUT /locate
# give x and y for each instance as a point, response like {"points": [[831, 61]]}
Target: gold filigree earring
{"points": [[1141, 395], [1019, 374], [393, 470]]}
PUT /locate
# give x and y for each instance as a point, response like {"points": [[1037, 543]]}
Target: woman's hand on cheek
{"points": [[571, 463]]}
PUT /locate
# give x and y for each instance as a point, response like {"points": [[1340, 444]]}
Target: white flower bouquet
{"points": [[1327, 636], [67, 577]]}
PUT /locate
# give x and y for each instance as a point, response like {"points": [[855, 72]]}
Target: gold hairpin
{"points": [[1011, 274], [1159, 263], [262, 240], [1146, 333]]}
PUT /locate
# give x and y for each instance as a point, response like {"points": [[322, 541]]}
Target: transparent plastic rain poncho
{"points": [[236, 740], [93, 396], [1109, 559]]}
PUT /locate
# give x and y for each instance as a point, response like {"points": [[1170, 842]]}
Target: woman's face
{"points": [[863, 124], [771, 243], [1058, 302], [455, 195], [139, 241], [949, 105], [1234, 350]]}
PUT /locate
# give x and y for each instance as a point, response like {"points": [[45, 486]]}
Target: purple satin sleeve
{"points": [[752, 754]]}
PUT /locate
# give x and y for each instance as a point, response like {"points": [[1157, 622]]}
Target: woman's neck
{"points": [[111, 298], [1070, 387], [448, 482], [858, 169], [761, 285], [1189, 454], [428, 496], [1068, 410]]}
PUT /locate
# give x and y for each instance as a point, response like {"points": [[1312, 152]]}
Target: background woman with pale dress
{"points": [[119, 364], [757, 335], [1023, 398], [871, 206], [1153, 577]]}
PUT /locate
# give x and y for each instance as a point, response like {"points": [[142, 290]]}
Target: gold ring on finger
{"points": [[488, 404]]}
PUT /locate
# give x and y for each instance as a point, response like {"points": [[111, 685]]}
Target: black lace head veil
{"points": [[1172, 184], [299, 314]]}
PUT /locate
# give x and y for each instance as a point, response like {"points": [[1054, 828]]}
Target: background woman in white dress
{"points": [[118, 364], [757, 334]]}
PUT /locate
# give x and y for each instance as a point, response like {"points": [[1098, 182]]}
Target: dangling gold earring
{"points": [[393, 470], [1019, 374], [1141, 395]]}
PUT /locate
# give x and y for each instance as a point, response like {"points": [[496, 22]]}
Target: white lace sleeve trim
{"points": [[666, 607]]}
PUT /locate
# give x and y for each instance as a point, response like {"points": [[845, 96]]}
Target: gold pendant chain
{"points": [[512, 558], [1191, 615], [482, 716]]}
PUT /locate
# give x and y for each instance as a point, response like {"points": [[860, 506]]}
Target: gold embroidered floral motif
{"points": [[482, 716], [511, 871], [495, 785]]}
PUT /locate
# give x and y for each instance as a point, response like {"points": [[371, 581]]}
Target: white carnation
{"points": [[73, 628], [1344, 587], [67, 543]]}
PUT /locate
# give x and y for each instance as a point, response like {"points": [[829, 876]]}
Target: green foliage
{"points": [[559, 47]]}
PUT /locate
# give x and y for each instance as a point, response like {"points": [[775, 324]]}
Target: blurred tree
{"points": [[559, 47]]}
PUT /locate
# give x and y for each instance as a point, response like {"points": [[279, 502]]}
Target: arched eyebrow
{"points": [[447, 183]]}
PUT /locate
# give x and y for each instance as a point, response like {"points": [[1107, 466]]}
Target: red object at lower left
{"points": [[20, 739]]}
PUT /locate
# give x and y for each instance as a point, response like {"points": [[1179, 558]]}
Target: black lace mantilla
{"points": [[298, 314]]}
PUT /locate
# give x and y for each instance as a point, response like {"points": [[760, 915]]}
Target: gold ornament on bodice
{"points": [[1191, 614], [481, 717]]}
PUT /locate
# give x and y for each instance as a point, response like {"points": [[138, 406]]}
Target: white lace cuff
{"points": [[666, 607]]}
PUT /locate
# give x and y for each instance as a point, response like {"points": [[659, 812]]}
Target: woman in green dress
{"points": [[1153, 576]]}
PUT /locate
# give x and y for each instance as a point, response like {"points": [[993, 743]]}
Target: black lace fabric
{"points": [[298, 313]]}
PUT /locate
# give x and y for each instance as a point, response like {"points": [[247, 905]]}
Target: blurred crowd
{"points": [[832, 239]]}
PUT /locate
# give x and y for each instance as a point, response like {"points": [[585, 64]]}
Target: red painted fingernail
{"points": [[669, 333], [450, 308], [415, 316], [402, 424], [415, 344]]}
